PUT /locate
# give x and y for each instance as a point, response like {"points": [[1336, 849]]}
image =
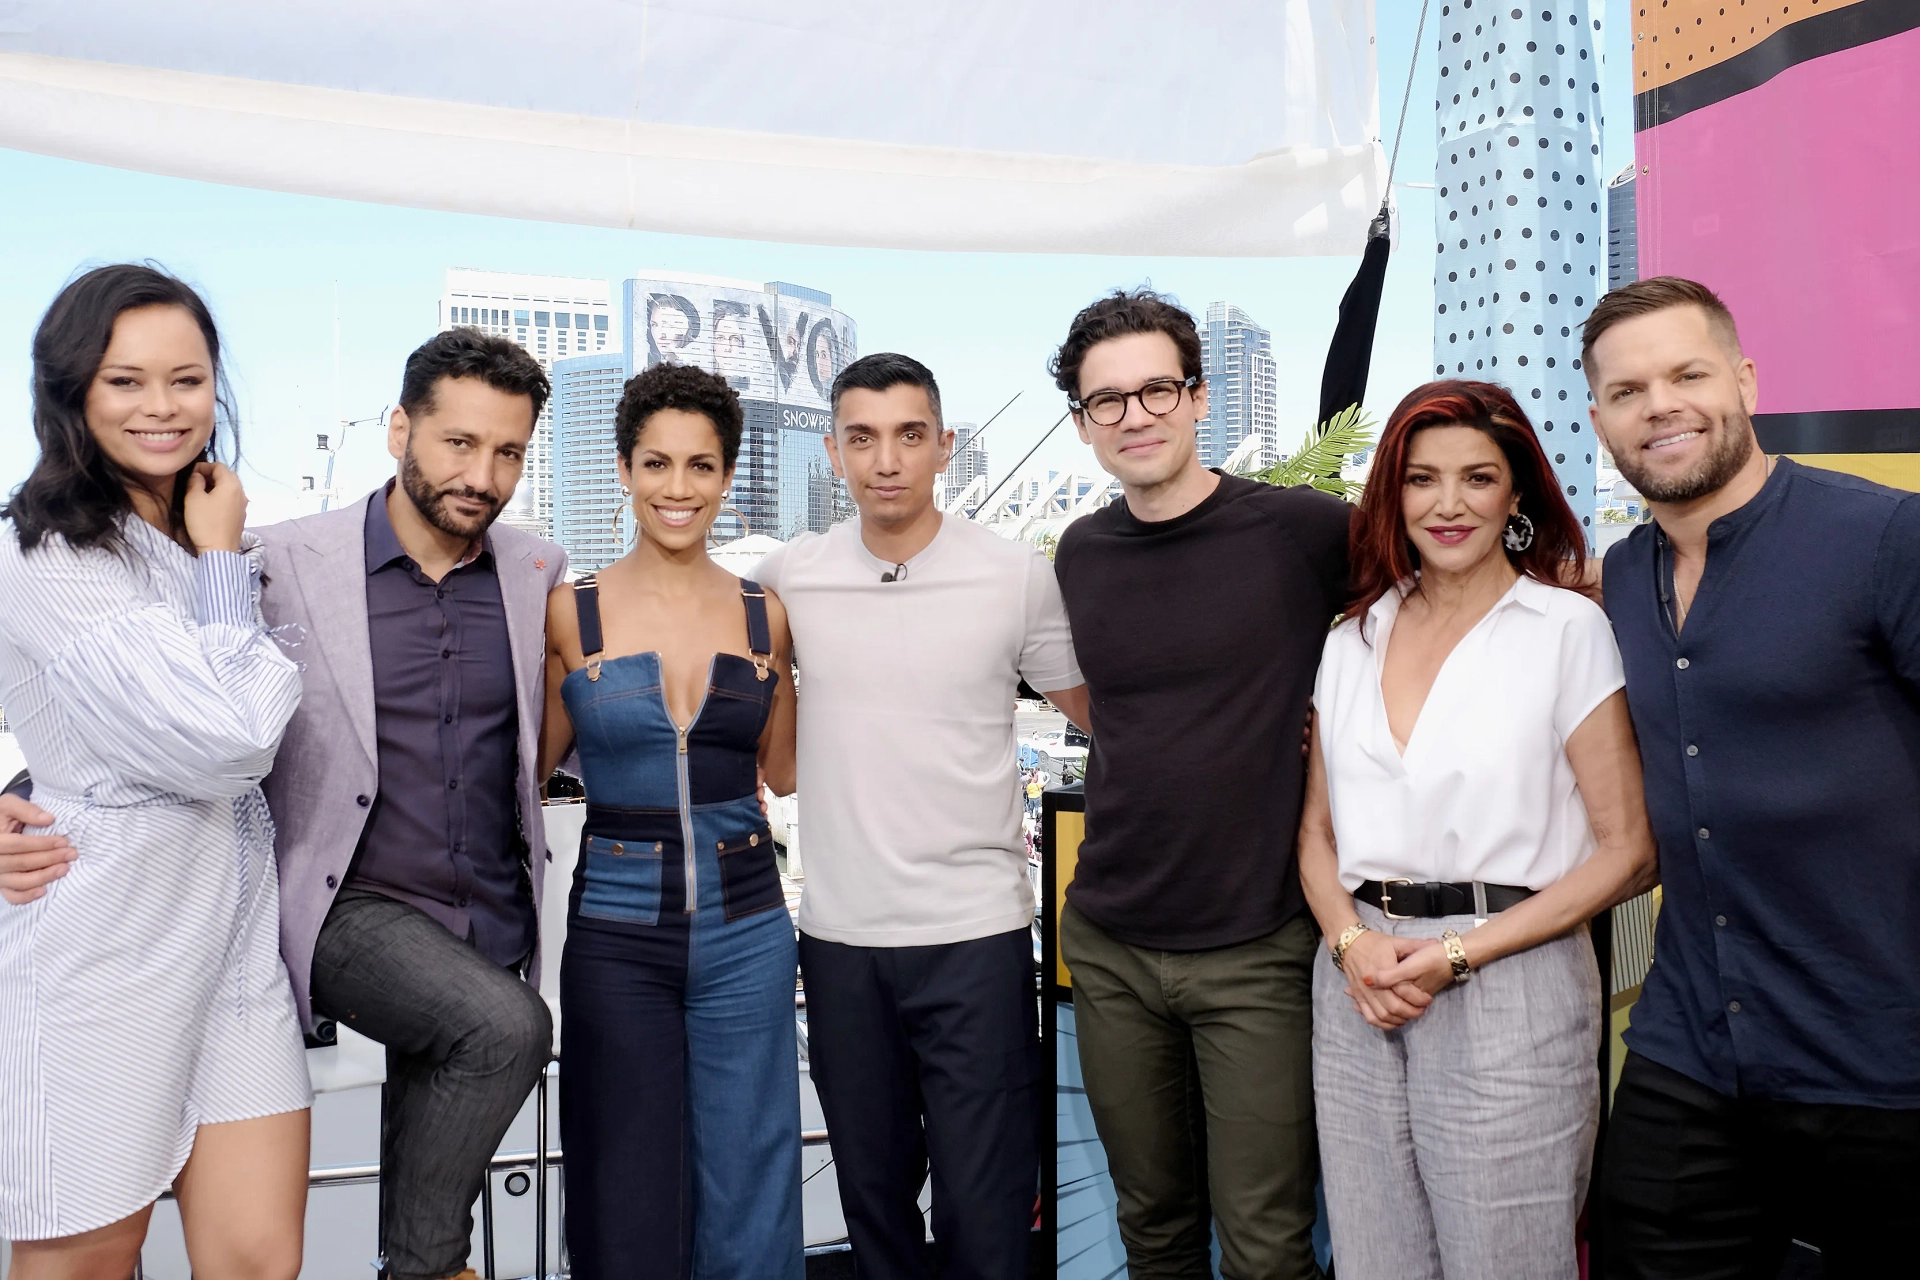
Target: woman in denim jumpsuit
{"points": [[679, 1077]]}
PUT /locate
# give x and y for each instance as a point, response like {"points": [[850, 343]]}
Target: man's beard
{"points": [[1730, 452], [432, 502]]}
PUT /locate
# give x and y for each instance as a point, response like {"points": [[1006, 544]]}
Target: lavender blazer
{"points": [[315, 593]]}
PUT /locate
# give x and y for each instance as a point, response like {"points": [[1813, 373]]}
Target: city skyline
{"points": [[279, 268]]}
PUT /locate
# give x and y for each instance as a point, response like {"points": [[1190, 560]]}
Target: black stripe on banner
{"points": [[1840, 431], [1797, 42]]}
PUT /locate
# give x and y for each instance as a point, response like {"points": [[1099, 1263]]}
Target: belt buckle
{"points": [[1386, 899]]}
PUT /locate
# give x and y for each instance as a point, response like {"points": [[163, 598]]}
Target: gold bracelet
{"points": [[1347, 935], [1456, 955]]}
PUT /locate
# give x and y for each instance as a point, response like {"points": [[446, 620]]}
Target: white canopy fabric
{"points": [[1233, 128]]}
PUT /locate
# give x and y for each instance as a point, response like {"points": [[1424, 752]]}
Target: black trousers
{"points": [[928, 1057], [1700, 1186], [466, 1042]]}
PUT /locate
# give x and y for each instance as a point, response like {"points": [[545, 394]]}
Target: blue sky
{"points": [[269, 264]]}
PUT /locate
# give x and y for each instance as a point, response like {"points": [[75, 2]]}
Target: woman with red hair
{"points": [[1474, 797]]}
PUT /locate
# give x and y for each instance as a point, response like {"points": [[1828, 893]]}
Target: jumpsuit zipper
{"points": [[686, 790]]}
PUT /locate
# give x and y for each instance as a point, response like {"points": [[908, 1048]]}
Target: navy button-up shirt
{"points": [[444, 831], [1780, 730]]}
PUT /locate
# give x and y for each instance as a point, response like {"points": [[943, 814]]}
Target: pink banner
{"points": [[1799, 202]]}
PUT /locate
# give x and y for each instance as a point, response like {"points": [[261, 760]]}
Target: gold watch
{"points": [[1456, 955], [1347, 935]]}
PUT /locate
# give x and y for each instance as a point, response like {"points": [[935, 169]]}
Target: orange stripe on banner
{"points": [[1675, 38], [1895, 470]]}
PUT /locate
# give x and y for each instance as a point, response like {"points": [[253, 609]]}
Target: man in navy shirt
{"points": [[1769, 621]]}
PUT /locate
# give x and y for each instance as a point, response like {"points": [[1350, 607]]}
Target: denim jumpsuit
{"points": [[679, 1079]]}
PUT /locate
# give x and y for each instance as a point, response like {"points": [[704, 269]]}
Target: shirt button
{"points": [[362, 801], [1682, 664], [1721, 921], [1705, 834], [1733, 1006], [446, 653], [333, 882], [1692, 750], [453, 784], [449, 719]]}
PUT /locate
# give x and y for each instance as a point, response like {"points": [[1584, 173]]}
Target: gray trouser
{"points": [[466, 1040], [1197, 1066], [1458, 1147]]}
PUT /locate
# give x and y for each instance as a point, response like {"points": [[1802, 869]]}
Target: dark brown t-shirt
{"points": [[1199, 638]]}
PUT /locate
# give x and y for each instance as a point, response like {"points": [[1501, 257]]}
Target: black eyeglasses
{"points": [[1107, 408]]}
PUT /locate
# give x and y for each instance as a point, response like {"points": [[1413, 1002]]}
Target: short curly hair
{"points": [[687, 388], [1118, 314]]}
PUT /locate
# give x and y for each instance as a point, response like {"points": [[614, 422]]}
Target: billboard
{"points": [[779, 347], [776, 347]]}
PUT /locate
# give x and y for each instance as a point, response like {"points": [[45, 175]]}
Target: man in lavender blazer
{"points": [[410, 838]]}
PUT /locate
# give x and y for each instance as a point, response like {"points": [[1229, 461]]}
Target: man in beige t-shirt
{"points": [[912, 631]]}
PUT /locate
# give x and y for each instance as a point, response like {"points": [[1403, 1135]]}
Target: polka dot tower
{"points": [[1520, 217]]}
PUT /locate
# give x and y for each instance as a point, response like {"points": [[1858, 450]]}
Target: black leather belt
{"points": [[1407, 900]]}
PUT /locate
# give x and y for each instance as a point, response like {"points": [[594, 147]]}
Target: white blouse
{"points": [[1484, 791]]}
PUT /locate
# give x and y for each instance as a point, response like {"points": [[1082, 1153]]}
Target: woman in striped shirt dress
{"points": [[147, 1030]]}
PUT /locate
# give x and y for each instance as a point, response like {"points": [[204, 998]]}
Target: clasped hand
{"points": [[1391, 981]]}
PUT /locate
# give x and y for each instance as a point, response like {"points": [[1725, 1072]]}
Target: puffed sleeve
{"points": [[191, 706], [1590, 667]]}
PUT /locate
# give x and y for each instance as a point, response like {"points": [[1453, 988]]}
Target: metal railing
{"points": [[536, 1162]]}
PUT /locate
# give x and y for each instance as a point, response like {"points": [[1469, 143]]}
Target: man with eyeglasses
{"points": [[1199, 603]]}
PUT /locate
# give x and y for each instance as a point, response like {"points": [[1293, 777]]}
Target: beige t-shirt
{"points": [[907, 773]]}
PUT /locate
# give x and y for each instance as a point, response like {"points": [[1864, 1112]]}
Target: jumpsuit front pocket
{"points": [[621, 879], [749, 877]]}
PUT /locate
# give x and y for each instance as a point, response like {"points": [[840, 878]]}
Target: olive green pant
{"points": [[1199, 1072]]}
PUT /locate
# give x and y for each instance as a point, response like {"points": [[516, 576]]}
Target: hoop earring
{"points": [[747, 528], [1518, 535], [625, 493]]}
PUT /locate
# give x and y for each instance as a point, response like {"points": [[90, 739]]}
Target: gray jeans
{"points": [[466, 1041], [1459, 1145]]}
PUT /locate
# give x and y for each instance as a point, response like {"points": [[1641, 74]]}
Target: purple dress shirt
{"points": [[444, 834]]}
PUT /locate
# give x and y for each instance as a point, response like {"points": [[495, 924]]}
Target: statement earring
{"points": [[1518, 535], [745, 528], [625, 493]]}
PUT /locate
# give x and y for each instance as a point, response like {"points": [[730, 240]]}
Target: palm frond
{"points": [[1322, 453]]}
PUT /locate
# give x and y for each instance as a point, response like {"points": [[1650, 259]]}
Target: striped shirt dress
{"points": [[143, 995]]}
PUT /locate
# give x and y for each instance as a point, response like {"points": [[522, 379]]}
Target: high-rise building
{"points": [[779, 346], [1242, 392], [1623, 231], [1517, 216], [588, 506], [969, 462], [553, 317]]}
